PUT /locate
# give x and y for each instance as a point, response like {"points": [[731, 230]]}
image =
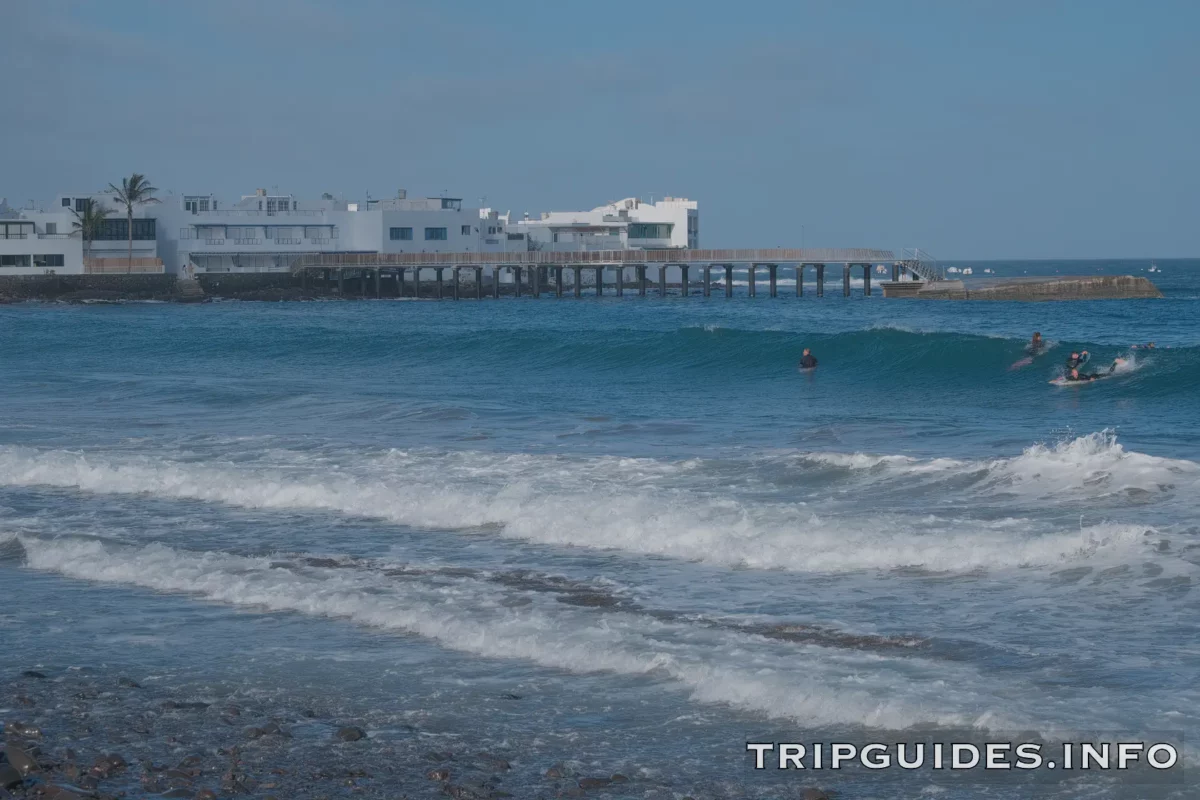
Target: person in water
{"points": [[1036, 345], [1149, 346], [807, 360], [1076, 360], [1075, 376]]}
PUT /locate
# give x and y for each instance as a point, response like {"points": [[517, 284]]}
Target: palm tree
{"points": [[87, 222], [134, 190]]}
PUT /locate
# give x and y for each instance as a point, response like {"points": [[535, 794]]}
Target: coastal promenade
{"points": [[538, 272]]}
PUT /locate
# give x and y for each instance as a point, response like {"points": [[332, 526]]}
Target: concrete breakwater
{"points": [[364, 283], [1089, 287]]}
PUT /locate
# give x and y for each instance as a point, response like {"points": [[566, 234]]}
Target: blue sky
{"points": [[972, 128]]}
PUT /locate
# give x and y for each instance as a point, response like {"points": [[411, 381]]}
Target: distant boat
{"points": [[966, 271], [953, 269], [880, 269], [988, 270], [1153, 268]]}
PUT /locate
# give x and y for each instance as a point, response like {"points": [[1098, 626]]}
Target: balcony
{"points": [[247, 212], [113, 266], [54, 236]]}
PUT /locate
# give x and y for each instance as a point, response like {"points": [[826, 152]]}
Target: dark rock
{"points": [[129, 683], [273, 729], [594, 783], [51, 792], [108, 765], [619, 778], [438, 774], [28, 702], [172, 705], [511, 696], [814, 794], [254, 733], [23, 730], [557, 771], [33, 673], [206, 794], [439, 756], [308, 713], [21, 761], [350, 733], [178, 792], [9, 777], [179, 775], [194, 760]]}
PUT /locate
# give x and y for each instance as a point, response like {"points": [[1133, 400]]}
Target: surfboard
{"points": [[1024, 362]]}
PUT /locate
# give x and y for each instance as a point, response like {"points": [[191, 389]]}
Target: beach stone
{"points": [[619, 778], [10, 778], [59, 793], [33, 673], [108, 765], [254, 733], [557, 771], [21, 761], [273, 729], [178, 792], [594, 783], [814, 794], [438, 775], [22, 730], [206, 794], [439, 755], [128, 683], [350, 733]]}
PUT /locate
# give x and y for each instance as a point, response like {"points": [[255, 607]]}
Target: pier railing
{"points": [[598, 258]]}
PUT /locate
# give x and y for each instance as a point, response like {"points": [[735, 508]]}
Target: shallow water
{"points": [[624, 533]]}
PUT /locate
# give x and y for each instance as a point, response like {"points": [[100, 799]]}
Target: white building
{"points": [[267, 232], [629, 224]]}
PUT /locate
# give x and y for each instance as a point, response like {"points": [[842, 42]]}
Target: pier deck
{"points": [[536, 272]]}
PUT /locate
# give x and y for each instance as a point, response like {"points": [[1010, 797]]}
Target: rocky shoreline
{"points": [[83, 734]]}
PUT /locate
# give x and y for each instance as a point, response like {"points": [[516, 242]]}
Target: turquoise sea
{"points": [[624, 534]]}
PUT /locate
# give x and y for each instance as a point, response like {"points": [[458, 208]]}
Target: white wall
{"points": [[39, 243]]}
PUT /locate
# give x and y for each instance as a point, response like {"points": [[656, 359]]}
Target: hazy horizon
{"points": [[994, 131]]}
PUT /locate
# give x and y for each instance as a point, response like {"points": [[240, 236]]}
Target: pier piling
{"points": [[772, 270], [729, 280], [866, 280], [683, 280], [845, 280], [599, 281], [579, 281], [620, 281], [708, 280], [662, 281], [641, 279], [751, 290]]}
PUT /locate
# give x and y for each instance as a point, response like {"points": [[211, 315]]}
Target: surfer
{"points": [[807, 359], [1036, 346], [1149, 346], [1075, 376], [1076, 360]]}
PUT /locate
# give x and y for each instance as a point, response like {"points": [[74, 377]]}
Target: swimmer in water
{"points": [[1076, 360], [1149, 346], [1036, 346], [807, 359]]}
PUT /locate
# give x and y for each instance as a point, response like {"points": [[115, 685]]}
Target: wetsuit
{"points": [[808, 362], [1082, 377], [1077, 362], [1036, 349]]}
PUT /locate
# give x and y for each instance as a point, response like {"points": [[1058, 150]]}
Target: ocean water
{"points": [[624, 534]]}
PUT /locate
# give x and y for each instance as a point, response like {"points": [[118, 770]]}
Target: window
{"points": [[650, 230], [466, 230], [80, 204], [516, 237], [117, 230], [435, 234], [52, 228], [402, 234], [66, 202], [48, 260], [14, 261], [451, 203]]}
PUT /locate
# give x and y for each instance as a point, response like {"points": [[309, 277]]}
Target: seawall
{"points": [[86, 287], [1088, 287]]}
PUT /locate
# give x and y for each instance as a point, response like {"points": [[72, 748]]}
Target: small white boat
{"points": [[880, 269], [988, 270], [966, 271], [953, 270], [1153, 268]]}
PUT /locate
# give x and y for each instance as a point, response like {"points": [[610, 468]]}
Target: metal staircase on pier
{"points": [[922, 264]]}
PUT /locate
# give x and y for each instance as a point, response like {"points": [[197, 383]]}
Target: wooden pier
{"points": [[536, 273]]}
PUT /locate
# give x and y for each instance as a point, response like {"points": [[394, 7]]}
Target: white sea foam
{"points": [[808, 683], [645, 505]]}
